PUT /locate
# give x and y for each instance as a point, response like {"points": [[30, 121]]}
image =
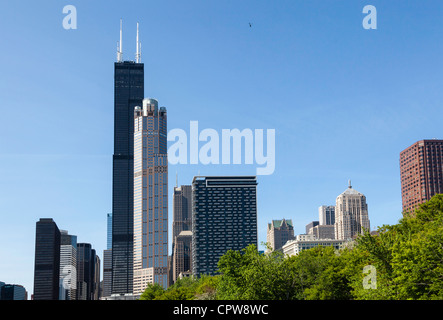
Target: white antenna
{"points": [[138, 52], [120, 44]]}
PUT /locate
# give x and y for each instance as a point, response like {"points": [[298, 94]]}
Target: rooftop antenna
{"points": [[176, 179], [350, 186], [120, 44], [139, 51]]}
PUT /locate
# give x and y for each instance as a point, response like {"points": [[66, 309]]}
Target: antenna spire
{"points": [[120, 44], [138, 52], [350, 186]]}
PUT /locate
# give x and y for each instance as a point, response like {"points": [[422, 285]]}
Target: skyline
{"points": [[371, 101]]}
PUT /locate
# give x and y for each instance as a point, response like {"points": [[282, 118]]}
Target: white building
{"points": [[351, 214], [308, 241]]}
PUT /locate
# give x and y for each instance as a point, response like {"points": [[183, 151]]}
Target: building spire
{"points": [[138, 53], [350, 186], [120, 44]]}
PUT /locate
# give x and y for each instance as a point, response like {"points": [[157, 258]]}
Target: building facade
{"points": [[182, 254], [12, 292], [68, 266], [421, 172], [47, 260], [309, 241], [351, 214], [88, 273], [181, 235], [107, 260], [128, 93], [150, 196], [326, 215], [224, 217], [278, 233]]}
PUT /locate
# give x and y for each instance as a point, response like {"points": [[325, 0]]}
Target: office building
{"points": [[323, 231], [68, 266], [279, 232], [12, 292], [88, 272], [309, 241], [224, 217], [150, 196], [311, 225], [421, 172], [47, 260], [107, 260], [326, 215], [128, 93], [181, 234], [351, 214], [182, 255]]}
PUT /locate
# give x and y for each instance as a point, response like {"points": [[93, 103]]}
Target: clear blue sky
{"points": [[344, 101]]}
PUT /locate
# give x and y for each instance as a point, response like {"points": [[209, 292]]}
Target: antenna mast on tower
{"points": [[138, 54], [120, 44]]}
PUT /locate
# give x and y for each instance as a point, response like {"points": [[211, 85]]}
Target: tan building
{"points": [[182, 255], [150, 196], [351, 214], [279, 232]]}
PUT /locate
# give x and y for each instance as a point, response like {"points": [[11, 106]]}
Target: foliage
{"points": [[407, 259]]}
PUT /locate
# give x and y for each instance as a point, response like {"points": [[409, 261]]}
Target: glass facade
{"points": [[224, 217], [47, 260], [128, 93], [150, 196]]}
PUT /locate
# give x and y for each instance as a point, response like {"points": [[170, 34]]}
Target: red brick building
{"points": [[421, 170]]}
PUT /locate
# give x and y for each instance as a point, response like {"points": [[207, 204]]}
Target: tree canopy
{"points": [[401, 261]]}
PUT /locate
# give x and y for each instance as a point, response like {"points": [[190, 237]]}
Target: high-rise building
{"points": [[309, 241], [182, 255], [279, 232], [88, 277], [47, 260], [150, 196], [326, 215], [181, 222], [421, 171], [12, 292], [351, 214], [224, 217], [128, 93], [68, 266], [311, 225], [107, 260]]}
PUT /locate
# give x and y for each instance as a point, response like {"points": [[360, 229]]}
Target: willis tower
{"points": [[128, 93]]}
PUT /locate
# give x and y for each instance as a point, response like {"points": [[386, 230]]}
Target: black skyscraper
{"points": [[224, 217], [128, 93], [47, 260]]}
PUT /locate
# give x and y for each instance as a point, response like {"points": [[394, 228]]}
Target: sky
{"points": [[343, 100]]}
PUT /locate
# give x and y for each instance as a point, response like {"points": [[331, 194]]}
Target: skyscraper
{"points": [[279, 232], [128, 93], [181, 222], [351, 214], [421, 171], [107, 259], [47, 260], [68, 266], [326, 215], [224, 217], [88, 276], [150, 196]]}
